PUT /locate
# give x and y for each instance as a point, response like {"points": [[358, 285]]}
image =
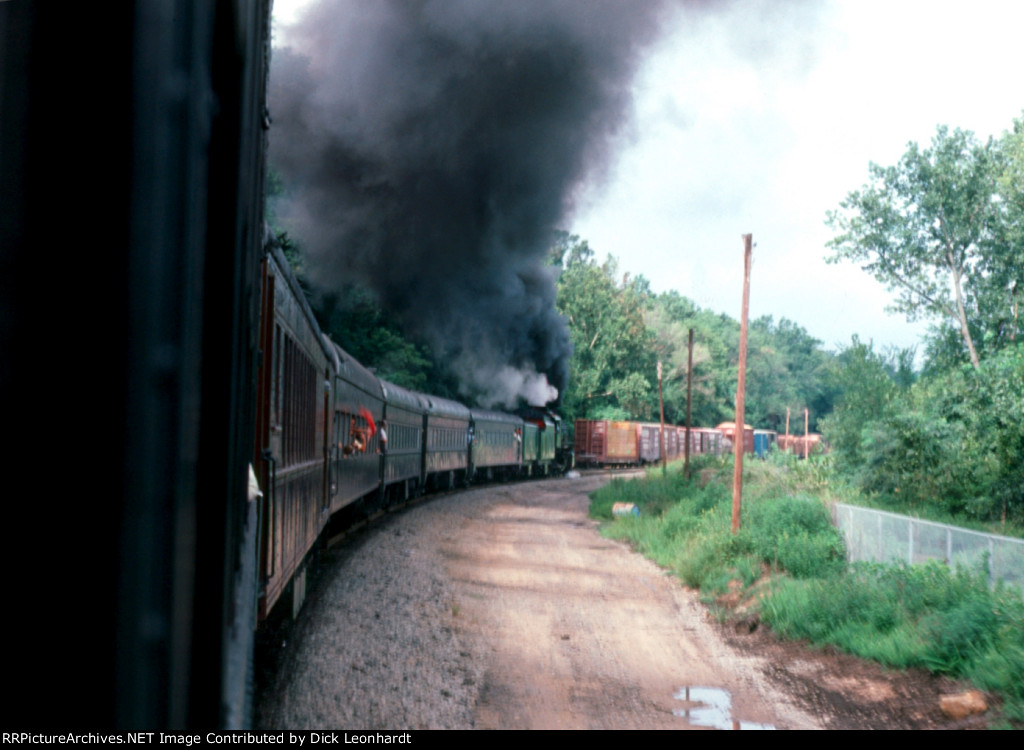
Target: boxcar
{"points": [[695, 446], [622, 445], [764, 441], [709, 439], [673, 443], [649, 439], [802, 446], [604, 442], [589, 440], [728, 430]]}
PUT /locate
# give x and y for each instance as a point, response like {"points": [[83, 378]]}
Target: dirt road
{"points": [[503, 607], [583, 633]]}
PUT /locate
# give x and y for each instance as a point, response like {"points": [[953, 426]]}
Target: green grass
{"points": [[948, 621], [685, 525]]}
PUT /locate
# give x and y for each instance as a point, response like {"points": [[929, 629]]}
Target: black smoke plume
{"points": [[432, 146]]}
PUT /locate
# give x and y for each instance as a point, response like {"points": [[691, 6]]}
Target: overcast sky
{"points": [[760, 116]]}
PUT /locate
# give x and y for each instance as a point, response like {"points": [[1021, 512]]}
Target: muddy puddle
{"points": [[711, 707]]}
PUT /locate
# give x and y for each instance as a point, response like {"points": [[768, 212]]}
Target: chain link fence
{"points": [[878, 536]]}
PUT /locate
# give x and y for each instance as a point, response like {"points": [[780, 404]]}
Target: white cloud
{"points": [[760, 120]]}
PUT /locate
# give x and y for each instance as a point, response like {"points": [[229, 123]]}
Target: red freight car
{"points": [[602, 442], [728, 429]]}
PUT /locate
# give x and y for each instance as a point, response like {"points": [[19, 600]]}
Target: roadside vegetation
{"points": [[938, 436], [787, 567]]}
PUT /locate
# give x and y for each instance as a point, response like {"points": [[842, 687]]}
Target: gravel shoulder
{"points": [[503, 608]]}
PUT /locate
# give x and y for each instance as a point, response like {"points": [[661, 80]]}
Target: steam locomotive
{"points": [[153, 351]]}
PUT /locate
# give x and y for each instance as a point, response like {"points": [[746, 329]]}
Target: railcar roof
{"points": [[399, 396], [445, 407], [284, 271], [495, 416], [350, 370]]}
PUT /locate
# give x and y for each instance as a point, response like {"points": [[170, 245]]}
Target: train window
{"points": [[277, 365], [299, 384]]}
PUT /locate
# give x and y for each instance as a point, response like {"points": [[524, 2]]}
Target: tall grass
{"points": [[685, 526], [948, 621], [901, 615]]}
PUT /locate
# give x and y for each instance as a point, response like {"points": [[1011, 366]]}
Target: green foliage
{"points": [[913, 616], [921, 227], [952, 442], [620, 331], [786, 367], [943, 229], [795, 534], [687, 527], [613, 362], [913, 454], [864, 381]]}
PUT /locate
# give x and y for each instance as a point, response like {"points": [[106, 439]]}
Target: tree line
{"points": [[621, 330], [943, 228]]}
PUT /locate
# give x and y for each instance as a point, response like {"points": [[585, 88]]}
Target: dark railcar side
{"points": [[405, 420], [355, 464], [540, 443], [446, 454], [293, 423], [496, 444], [531, 449]]}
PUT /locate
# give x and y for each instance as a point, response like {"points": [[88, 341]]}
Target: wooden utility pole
{"points": [[806, 439], [741, 390], [661, 404], [689, 391]]}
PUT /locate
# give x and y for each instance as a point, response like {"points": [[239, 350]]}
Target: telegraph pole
{"points": [[661, 404], [806, 439], [741, 390], [689, 392]]}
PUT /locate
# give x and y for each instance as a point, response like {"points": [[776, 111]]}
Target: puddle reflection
{"points": [[714, 709]]}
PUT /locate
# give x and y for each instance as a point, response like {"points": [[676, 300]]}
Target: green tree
{"points": [[786, 367], [925, 228], [613, 362], [866, 388], [715, 353], [1004, 263]]}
